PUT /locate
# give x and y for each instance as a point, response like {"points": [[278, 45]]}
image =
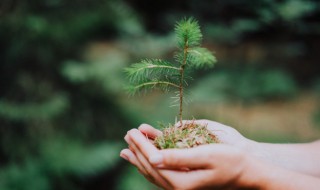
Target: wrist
{"points": [[261, 175], [250, 174], [265, 176]]}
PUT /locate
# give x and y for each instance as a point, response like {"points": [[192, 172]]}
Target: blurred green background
{"points": [[63, 110]]}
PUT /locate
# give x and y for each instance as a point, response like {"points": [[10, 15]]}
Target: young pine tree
{"points": [[157, 73]]}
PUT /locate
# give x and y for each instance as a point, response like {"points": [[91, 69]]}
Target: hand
{"points": [[225, 134], [214, 166], [151, 162]]}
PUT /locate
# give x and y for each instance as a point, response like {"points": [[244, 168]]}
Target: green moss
{"points": [[188, 136]]}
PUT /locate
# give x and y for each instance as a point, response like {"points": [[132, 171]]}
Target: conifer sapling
{"points": [[157, 73]]}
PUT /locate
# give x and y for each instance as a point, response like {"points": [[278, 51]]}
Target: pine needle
{"points": [[156, 73]]}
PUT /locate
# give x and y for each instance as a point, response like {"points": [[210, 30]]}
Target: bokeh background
{"points": [[63, 107]]}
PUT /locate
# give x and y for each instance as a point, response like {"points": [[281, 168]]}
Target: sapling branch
{"points": [[156, 83], [156, 73]]}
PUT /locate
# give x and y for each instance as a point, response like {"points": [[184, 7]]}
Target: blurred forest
{"points": [[63, 107]]}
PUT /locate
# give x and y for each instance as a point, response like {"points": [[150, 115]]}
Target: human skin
{"points": [[215, 166], [299, 157], [225, 166]]}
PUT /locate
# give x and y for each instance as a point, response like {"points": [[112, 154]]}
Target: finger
{"points": [[147, 170], [152, 174], [149, 131], [129, 142], [127, 139], [142, 169], [130, 146], [195, 179], [142, 143], [129, 156], [132, 158], [193, 158], [135, 157]]}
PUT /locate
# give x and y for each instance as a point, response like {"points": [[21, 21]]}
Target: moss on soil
{"points": [[188, 136]]}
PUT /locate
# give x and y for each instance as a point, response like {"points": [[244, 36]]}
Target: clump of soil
{"points": [[188, 136]]}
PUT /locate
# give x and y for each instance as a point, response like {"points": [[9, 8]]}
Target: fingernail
{"points": [[124, 157], [127, 139], [156, 159]]}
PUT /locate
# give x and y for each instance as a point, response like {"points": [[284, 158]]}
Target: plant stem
{"points": [[184, 62]]}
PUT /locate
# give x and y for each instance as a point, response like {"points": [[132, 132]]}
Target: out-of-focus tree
{"points": [[54, 131], [281, 34]]}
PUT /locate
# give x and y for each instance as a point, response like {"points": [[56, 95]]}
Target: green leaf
{"points": [[201, 57], [188, 33]]}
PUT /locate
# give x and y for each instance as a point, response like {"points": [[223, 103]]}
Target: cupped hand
{"points": [[225, 134], [206, 166]]}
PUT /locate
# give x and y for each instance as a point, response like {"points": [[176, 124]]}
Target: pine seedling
{"points": [[150, 74]]}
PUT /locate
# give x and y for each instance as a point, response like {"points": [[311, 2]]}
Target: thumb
{"points": [[193, 158]]}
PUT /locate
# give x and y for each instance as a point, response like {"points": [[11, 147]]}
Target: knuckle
{"points": [[170, 160]]}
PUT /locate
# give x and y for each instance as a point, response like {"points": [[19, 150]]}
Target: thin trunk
{"points": [[185, 52], [181, 94]]}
